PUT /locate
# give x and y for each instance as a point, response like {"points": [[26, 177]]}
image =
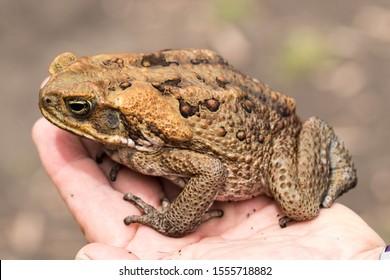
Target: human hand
{"points": [[248, 230]]}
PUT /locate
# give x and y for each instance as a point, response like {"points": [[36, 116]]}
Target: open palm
{"points": [[248, 229]]}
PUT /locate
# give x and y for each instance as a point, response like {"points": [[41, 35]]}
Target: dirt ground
{"points": [[333, 57]]}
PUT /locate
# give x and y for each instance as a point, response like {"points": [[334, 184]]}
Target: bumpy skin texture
{"points": [[189, 116]]}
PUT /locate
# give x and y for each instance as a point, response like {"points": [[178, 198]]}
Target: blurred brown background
{"points": [[333, 57]]}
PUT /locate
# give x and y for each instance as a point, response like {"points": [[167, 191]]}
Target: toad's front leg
{"points": [[189, 210]]}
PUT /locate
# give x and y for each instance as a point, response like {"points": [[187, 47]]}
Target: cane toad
{"points": [[189, 116]]}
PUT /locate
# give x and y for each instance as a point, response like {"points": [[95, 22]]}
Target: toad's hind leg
{"points": [[310, 173]]}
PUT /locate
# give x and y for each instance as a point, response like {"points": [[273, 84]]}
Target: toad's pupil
{"points": [[78, 107]]}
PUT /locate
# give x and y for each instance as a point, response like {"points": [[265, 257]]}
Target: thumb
{"points": [[99, 251]]}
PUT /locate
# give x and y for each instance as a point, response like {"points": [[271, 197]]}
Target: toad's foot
{"points": [[283, 221], [160, 220], [114, 169]]}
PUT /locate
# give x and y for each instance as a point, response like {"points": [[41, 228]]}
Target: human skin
{"points": [[248, 230]]}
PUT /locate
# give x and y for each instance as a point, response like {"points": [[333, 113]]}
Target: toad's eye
{"points": [[79, 108]]}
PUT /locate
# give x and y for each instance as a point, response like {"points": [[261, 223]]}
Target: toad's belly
{"points": [[238, 187]]}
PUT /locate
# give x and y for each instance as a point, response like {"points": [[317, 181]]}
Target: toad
{"points": [[189, 116]]}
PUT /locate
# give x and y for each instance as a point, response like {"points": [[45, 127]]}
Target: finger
{"points": [[95, 205], [49, 139], [99, 251]]}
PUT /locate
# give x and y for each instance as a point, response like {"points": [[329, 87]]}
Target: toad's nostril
{"points": [[47, 101]]}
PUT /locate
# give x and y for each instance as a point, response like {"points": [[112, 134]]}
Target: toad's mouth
{"points": [[70, 127], [52, 113]]}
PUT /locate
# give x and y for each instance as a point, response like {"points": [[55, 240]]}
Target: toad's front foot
{"points": [[167, 222], [151, 216]]}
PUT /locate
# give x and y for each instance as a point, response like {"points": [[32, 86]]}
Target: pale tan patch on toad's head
{"points": [[156, 114]]}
